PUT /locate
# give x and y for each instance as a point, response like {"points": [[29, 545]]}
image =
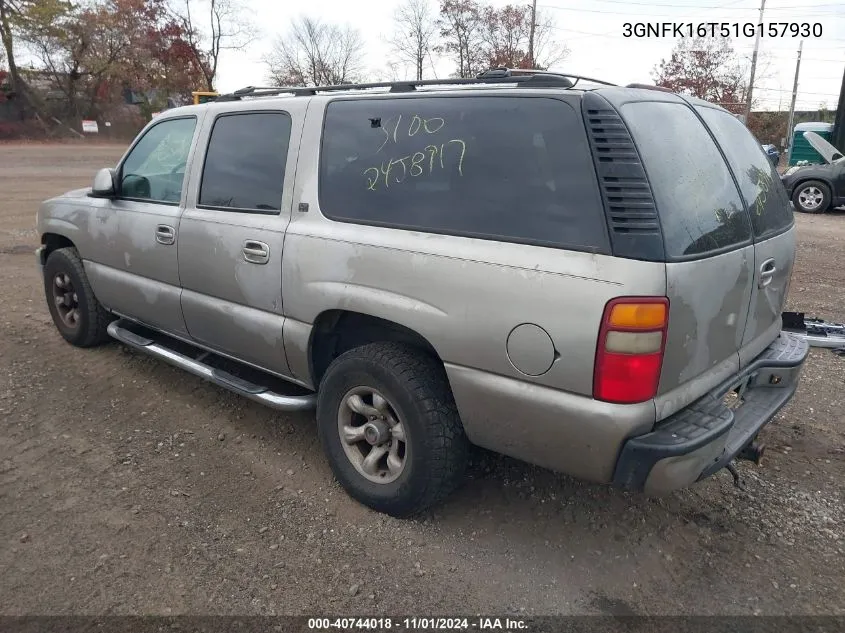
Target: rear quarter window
{"points": [[502, 168], [699, 206], [759, 183]]}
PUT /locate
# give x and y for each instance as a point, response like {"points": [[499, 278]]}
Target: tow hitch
{"points": [[752, 453]]}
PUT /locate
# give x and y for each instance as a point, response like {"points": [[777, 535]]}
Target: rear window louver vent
{"points": [[628, 201]]}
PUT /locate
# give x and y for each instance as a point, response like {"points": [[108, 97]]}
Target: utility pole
{"points": [[838, 140], [531, 34], [754, 62], [794, 97]]}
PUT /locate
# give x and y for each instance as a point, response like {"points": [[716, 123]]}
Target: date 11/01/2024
{"points": [[418, 623], [721, 29]]}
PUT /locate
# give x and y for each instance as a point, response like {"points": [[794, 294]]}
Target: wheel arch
{"points": [[52, 242], [826, 181], [337, 331]]}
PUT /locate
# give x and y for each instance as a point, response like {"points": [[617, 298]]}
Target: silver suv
{"points": [[582, 276]]}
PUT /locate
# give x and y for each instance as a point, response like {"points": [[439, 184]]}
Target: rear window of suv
{"points": [[759, 182], [503, 168], [700, 209]]}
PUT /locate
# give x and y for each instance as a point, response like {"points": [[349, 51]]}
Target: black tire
{"points": [[805, 186], [418, 390], [92, 319]]}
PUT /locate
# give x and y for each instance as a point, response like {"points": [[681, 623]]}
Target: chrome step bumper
{"points": [[121, 331]]}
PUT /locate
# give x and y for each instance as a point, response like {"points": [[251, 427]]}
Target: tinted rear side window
{"points": [[504, 168], [759, 182], [245, 162], [699, 206]]}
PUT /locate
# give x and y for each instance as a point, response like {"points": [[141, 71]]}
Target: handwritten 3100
{"points": [[429, 157]]}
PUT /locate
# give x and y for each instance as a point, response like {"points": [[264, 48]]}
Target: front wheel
{"points": [[77, 314], [812, 196], [390, 428]]}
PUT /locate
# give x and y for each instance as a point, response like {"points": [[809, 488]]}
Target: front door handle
{"points": [[767, 272], [256, 252], [165, 234]]}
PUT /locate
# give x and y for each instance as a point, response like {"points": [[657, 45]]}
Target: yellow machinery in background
{"points": [[203, 97]]}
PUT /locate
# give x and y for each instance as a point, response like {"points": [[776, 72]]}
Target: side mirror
{"points": [[103, 184]]}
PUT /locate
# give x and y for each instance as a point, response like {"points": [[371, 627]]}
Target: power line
{"points": [[658, 15], [723, 6], [737, 49], [617, 13], [823, 94]]}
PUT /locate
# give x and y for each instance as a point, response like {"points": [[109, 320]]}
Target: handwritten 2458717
{"points": [[446, 154]]}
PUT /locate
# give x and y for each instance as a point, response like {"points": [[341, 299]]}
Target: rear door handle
{"points": [[256, 252], [767, 272], [165, 234]]}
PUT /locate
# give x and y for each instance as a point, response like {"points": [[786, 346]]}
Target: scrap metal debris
{"points": [[817, 332]]}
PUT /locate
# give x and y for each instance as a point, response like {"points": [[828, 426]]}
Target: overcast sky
{"points": [[592, 30]]}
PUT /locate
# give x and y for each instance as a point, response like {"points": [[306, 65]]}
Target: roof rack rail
{"points": [[650, 87], [528, 78]]}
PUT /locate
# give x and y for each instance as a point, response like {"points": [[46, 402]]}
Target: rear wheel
{"points": [[77, 314], [812, 196], [390, 428]]}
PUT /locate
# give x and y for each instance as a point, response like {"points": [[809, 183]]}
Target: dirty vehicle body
{"points": [[587, 279]]}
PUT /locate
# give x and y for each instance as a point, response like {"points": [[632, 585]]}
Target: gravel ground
{"points": [[129, 487]]}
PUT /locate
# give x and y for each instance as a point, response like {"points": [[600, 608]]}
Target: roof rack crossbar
{"points": [[525, 78]]}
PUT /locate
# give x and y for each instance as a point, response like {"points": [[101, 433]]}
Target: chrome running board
{"points": [[120, 330]]}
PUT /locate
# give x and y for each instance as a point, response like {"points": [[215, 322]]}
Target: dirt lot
{"points": [[127, 486]]}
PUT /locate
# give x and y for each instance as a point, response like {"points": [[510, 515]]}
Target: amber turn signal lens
{"points": [[638, 316]]}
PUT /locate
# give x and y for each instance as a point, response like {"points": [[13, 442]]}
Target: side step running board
{"points": [[119, 330]]}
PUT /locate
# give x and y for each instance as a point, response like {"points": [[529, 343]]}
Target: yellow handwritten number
{"points": [[763, 182], [386, 173], [371, 182], [396, 129], [436, 129], [433, 151], [415, 121], [404, 167], [461, 159], [416, 169]]}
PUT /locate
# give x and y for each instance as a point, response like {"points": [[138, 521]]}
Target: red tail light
{"points": [[629, 353]]}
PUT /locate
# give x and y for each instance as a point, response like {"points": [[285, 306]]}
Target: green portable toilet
{"points": [[800, 149]]}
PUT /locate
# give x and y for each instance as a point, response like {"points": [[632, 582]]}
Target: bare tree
{"points": [[461, 26], [316, 53], [391, 71], [228, 27], [415, 29], [505, 35], [548, 49]]}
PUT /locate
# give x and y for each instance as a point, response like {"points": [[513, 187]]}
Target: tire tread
{"points": [[97, 317], [425, 379]]}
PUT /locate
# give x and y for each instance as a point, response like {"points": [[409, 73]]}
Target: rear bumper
{"points": [[704, 437]]}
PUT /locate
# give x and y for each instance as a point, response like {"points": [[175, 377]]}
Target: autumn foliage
{"points": [[706, 68], [90, 60], [478, 36]]}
